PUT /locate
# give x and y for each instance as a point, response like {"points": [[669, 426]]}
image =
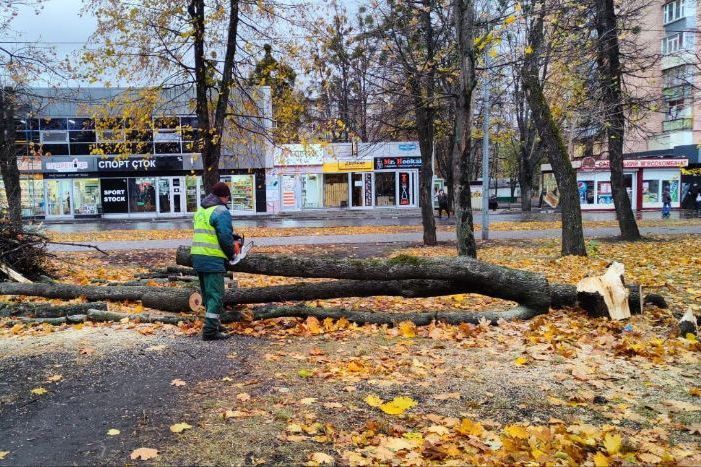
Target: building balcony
{"points": [[678, 124]]}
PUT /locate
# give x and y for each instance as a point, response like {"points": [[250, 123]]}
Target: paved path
{"points": [[381, 238]]}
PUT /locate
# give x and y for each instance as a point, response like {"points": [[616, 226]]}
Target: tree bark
{"points": [[8, 159], [40, 310], [610, 76], [161, 298], [212, 126], [464, 228], [555, 149]]}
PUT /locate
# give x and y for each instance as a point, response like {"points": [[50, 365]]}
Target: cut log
{"points": [[525, 288], [605, 295], [363, 317], [161, 298], [41, 310], [12, 274]]}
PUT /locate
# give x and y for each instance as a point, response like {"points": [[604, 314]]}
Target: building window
{"points": [[673, 11], [385, 189], [676, 42], [336, 190], [651, 191], [586, 191], [54, 136], [87, 196], [675, 109], [142, 195]]}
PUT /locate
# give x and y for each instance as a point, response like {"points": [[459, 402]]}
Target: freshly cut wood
{"points": [[41, 310], [12, 274], [565, 295], [688, 324], [525, 288], [605, 295]]}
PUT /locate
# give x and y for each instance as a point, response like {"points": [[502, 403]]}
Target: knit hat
{"points": [[221, 189]]}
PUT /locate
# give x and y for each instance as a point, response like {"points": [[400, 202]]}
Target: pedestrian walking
{"points": [[666, 203], [442, 204], [698, 202], [212, 247]]}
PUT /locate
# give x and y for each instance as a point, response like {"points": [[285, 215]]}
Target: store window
{"points": [[385, 189], [142, 195], [603, 193], [336, 190], [673, 187], [651, 191], [242, 192], [87, 200], [32, 197], [586, 191], [59, 197], [312, 192], [191, 201]]}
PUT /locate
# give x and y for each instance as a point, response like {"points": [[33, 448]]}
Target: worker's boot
{"points": [[212, 330]]}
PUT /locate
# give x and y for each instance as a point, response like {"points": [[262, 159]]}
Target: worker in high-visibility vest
{"points": [[212, 247]]}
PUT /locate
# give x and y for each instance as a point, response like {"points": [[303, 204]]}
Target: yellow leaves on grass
{"points": [[407, 329], [516, 431], [612, 443], [468, 427], [180, 427], [396, 406], [320, 458], [521, 360]]}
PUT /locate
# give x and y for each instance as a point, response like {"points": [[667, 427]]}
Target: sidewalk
{"points": [[409, 237], [328, 218]]}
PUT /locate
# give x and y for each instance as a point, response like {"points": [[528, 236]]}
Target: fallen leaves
{"points": [[113, 432], [396, 406], [178, 383], [321, 458], [3, 454], [39, 391], [243, 397], [143, 454], [180, 427], [54, 378]]}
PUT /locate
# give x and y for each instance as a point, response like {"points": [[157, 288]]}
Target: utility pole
{"points": [[485, 150]]}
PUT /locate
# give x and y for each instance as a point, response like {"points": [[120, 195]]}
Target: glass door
{"points": [[59, 198], [177, 195], [164, 196], [357, 190], [192, 200]]}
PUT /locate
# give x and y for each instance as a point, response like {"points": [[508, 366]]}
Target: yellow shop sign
{"points": [[347, 166]]}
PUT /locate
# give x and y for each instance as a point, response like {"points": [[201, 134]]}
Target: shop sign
{"points": [[382, 163], [68, 164], [114, 195], [589, 164], [139, 164], [407, 146], [347, 166], [28, 165]]}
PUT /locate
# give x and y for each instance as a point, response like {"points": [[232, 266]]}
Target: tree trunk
{"points": [[42, 310], [8, 160], [551, 141], [474, 276], [611, 75], [161, 298], [464, 228]]}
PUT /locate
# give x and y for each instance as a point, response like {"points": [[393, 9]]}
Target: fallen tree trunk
{"points": [[161, 298], [101, 316], [525, 288], [363, 317], [41, 310]]}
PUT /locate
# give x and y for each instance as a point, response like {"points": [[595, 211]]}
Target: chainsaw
{"points": [[241, 249]]}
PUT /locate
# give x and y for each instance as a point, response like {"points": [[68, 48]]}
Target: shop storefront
{"points": [[158, 186], [310, 180], [646, 180]]}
